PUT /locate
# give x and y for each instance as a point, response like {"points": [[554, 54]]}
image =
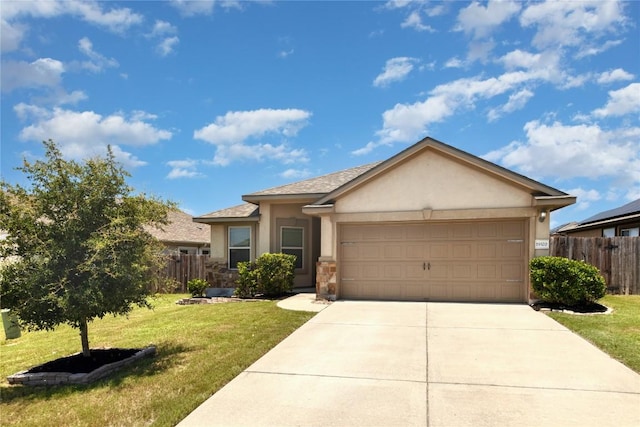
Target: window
{"points": [[292, 243], [631, 232], [609, 232], [239, 245]]}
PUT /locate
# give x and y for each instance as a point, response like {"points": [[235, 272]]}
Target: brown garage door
{"points": [[461, 261]]}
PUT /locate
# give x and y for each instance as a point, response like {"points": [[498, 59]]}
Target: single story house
{"points": [[183, 236], [620, 221], [430, 223]]}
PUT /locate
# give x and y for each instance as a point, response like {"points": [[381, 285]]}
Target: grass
{"points": [[617, 334], [199, 349]]}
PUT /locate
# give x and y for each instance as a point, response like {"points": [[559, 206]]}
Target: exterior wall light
{"points": [[542, 216]]}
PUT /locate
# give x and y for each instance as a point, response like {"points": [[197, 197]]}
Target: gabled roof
{"points": [[622, 211], [243, 212], [323, 190], [313, 187], [544, 195], [181, 229]]}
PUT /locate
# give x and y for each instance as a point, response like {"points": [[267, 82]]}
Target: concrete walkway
{"points": [[428, 364]]}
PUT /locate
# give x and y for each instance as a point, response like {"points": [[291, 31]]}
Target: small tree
{"points": [[78, 243]]}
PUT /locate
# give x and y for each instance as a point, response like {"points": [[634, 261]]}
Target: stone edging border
{"points": [[550, 310], [58, 378]]}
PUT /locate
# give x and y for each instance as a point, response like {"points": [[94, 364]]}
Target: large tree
{"points": [[77, 248]]}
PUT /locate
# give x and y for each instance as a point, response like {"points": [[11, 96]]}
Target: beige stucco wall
{"points": [[432, 180], [291, 214]]}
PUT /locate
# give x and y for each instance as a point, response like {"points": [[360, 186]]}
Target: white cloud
{"points": [[414, 20], [295, 173], [225, 154], [480, 21], [285, 53], [395, 70], [621, 102], [237, 126], [367, 148], [86, 133], [580, 151], [97, 62], [12, 35], [407, 122], [203, 7], [43, 72], [116, 19], [614, 76], [516, 101], [230, 132], [454, 62], [592, 50], [584, 197], [167, 46], [166, 34], [568, 23], [183, 169], [162, 28]]}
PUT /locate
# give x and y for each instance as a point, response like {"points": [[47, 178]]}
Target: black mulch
{"points": [[78, 364], [593, 307]]}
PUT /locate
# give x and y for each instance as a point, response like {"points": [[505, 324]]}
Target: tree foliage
{"points": [[77, 242]]}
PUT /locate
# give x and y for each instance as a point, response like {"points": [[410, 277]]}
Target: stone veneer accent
{"points": [[326, 280], [219, 276], [57, 378]]}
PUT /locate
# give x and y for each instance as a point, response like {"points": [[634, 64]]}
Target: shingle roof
{"points": [[181, 228], [245, 210], [628, 209], [318, 185]]}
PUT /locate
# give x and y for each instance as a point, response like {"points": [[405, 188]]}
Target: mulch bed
{"points": [[78, 364], [584, 308]]}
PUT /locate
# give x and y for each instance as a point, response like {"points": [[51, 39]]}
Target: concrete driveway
{"points": [[361, 363]]}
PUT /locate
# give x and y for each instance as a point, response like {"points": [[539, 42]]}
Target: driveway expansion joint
{"points": [[535, 387], [295, 374]]}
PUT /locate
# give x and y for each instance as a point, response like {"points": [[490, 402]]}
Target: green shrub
{"points": [[197, 286], [247, 282], [270, 275], [566, 281]]}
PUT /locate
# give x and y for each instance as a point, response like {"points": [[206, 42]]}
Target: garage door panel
{"points": [[463, 250], [471, 261], [438, 251]]}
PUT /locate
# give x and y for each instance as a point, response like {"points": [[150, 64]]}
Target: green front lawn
{"points": [[199, 349], [617, 334]]}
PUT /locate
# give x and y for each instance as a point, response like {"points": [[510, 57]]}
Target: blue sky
{"points": [[204, 101]]}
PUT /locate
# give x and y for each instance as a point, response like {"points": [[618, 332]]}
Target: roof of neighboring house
{"points": [[622, 211], [181, 229], [564, 227]]}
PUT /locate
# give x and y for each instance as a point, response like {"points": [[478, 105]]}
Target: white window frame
{"points": [[609, 232], [630, 232], [229, 247], [301, 248]]}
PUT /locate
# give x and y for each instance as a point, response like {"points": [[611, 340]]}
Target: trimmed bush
{"points": [[270, 275], [197, 286], [247, 282], [566, 281]]}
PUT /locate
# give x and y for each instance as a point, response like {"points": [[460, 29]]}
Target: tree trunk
{"points": [[84, 337]]}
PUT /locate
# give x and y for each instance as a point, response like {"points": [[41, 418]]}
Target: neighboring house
{"points": [[182, 235], [430, 223], [621, 221]]}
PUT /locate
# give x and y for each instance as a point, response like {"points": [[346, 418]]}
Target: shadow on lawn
{"points": [[166, 356]]}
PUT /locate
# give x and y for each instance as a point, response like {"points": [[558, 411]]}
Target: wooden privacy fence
{"points": [[617, 258], [183, 268]]}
